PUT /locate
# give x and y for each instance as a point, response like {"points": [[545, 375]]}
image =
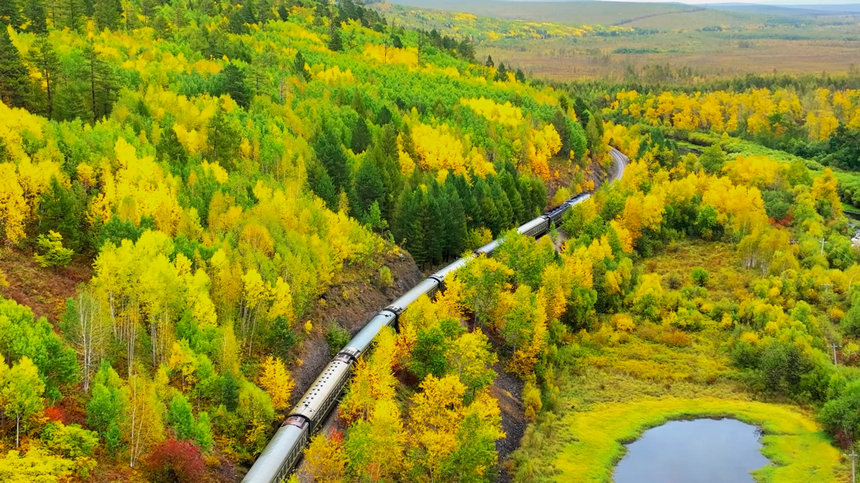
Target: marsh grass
{"points": [[620, 384]]}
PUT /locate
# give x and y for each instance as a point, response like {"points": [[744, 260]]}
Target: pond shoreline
{"points": [[702, 449], [792, 441]]}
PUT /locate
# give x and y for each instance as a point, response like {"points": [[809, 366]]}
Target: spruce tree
{"points": [[299, 66], [330, 154], [107, 13], [10, 13], [369, 187], [14, 84], [335, 43], [233, 82], [34, 10], [320, 183], [360, 136], [49, 65]]}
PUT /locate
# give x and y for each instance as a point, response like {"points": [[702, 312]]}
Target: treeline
{"points": [[814, 123], [222, 165], [437, 222]]}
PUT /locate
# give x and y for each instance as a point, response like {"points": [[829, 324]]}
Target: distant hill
{"points": [[635, 14], [791, 10], [644, 15]]}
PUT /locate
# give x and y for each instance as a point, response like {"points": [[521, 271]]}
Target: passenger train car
{"points": [[283, 451]]}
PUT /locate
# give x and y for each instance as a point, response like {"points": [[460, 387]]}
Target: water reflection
{"points": [[701, 450]]}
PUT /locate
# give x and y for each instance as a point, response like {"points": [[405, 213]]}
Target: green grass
{"points": [[799, 449], [621, 384]]}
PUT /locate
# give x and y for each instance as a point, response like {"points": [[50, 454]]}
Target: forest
{"points": [[195, 193]]}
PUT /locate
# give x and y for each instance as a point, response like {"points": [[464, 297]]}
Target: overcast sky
{"points": [[761, 2]]}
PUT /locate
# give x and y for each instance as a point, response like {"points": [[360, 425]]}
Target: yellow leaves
{"points": [[438, 148], [276, 381], [439, 405], [643, 211], [325, 459], [545, 143], [257, 237], [624, 236], [14, 123], [755, 170], [13, 207], [333, 76], [254, 289], [215, 169], [623, 322], [282, 304], [391, 55], [407, 165], [182, 362], [763, 110], [824, 188], [505, 114], [192, 140]]}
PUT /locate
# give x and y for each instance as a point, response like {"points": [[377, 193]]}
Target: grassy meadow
{"points": [[622, 383], [633, 38]]}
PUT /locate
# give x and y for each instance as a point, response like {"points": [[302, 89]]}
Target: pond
{"points": [[700, 450]]}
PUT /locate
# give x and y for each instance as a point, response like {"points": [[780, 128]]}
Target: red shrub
{"points": [[175, 460], [55, 414]]}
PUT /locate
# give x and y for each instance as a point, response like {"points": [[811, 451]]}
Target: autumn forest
{"points": [[203, 201]]}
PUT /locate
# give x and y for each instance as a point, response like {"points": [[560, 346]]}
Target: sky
{"points": [[760, 2]]}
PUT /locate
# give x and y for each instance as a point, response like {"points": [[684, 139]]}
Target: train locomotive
{"points": [[285, 448]]}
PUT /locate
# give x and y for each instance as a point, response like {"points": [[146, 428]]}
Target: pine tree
{"points": [[48, 63], [335, 43], [321, 184], [455, 222], [520, 76], [502, 74], [434, 228], [107, 13], [103, 88], [360, 136], [34, 10], [490, 62], [10, 13], [330, 153], [224, 138], [299, 66], [13, 74], [233, 83], [369, 187]]}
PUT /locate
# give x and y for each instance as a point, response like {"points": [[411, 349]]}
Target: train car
{"points": [[440, 275], [281, 454], [284, 450], [359, 344], [536, 227], [323, 393], [427, 287]]}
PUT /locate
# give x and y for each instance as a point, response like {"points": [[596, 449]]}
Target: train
{"points": [[284, 450]]}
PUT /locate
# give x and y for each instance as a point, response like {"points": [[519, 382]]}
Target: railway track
{"points": [[284, 449]]}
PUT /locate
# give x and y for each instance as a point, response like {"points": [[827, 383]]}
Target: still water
{"points": [[697, 451]]}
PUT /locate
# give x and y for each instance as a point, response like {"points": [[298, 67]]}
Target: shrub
{"points": [[674, 280], [851, 321], [175, 461], [623, 322], [386, 279], [531, 401], [700, 276], [51, 252], [337, 337]]}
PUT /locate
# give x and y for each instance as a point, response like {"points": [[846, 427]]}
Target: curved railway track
{"points": [[284, 449]]}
